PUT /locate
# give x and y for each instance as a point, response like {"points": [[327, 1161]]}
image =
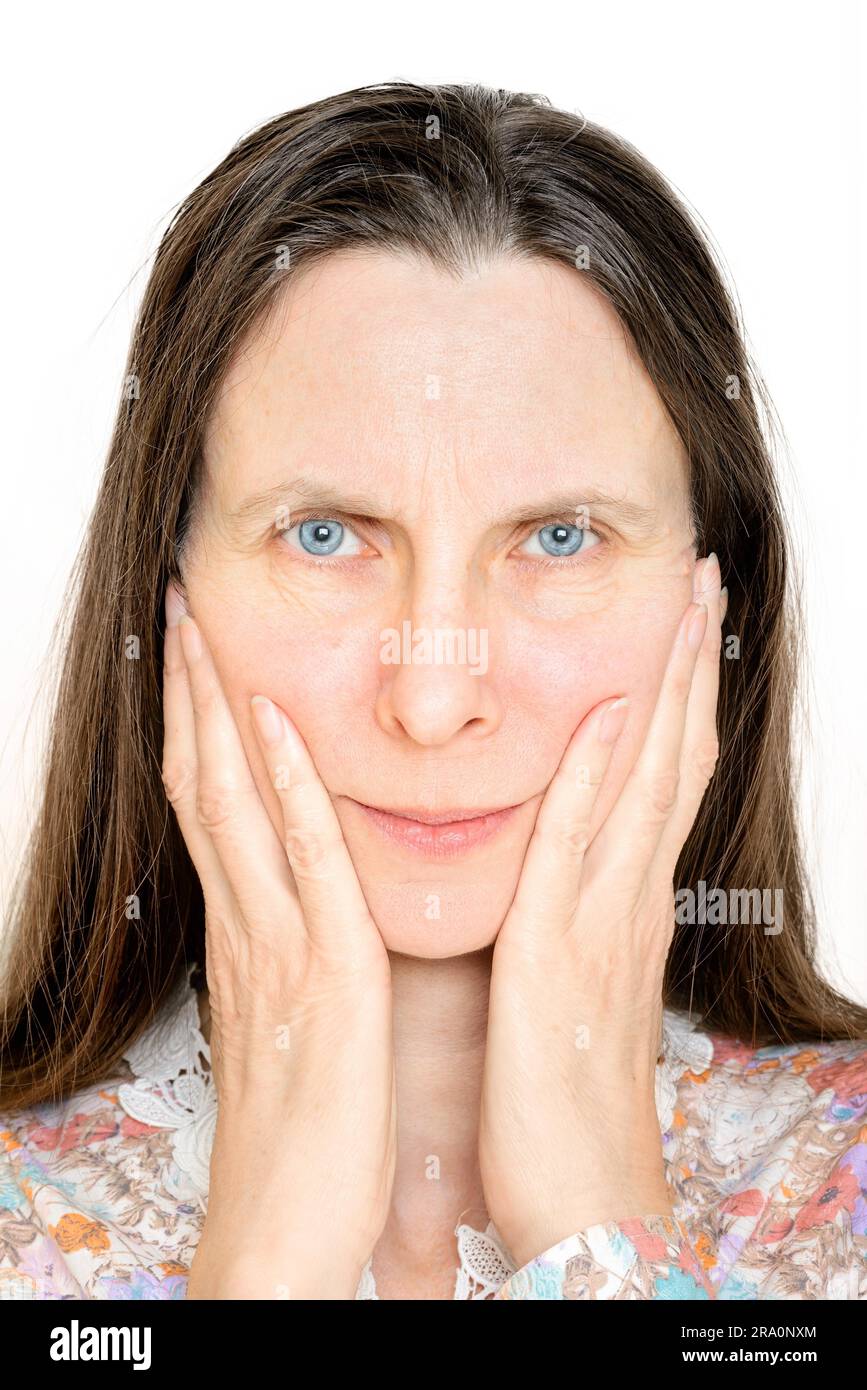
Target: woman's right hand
{"points": [[300, 999]]}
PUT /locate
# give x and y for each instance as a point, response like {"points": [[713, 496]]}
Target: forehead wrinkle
{"points": [[311, 492], [444, 471]]}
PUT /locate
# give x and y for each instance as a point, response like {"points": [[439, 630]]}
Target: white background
{"points": [[753, 112]]}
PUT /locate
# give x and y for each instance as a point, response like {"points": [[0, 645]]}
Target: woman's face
{"points": [[441, 521]]}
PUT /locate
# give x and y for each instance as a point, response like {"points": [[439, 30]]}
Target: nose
{"points": [[438, 675]]}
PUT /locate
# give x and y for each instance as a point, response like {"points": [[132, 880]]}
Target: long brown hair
{"points": [[108, 908]]}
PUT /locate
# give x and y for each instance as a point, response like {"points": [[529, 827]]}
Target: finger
{"points": [[228, 804], [628, 840], [180, 762], [547, 894], [328, 888], [700, 750]]}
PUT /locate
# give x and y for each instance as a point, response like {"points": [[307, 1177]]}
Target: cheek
{"points": [[607, 655], [323, 676]]}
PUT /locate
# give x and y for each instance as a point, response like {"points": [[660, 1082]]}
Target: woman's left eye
{"points": [[323, 536], [560, 540]]}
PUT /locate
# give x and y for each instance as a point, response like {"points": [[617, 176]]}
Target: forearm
{"points": [[287, 1264], [278, 1224]]}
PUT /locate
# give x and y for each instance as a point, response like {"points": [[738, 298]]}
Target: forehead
{"points": [[379, 365]]}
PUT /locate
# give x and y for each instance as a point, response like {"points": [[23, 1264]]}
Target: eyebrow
{"points": [[312, 492], [641, 519]]}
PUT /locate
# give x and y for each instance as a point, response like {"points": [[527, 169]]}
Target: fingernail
{"points": [[707, 577], [723, 603], [191, 640], [710, 579], [697, 625], [268, 720], [697, 573], [175, 606], [613, 720]]}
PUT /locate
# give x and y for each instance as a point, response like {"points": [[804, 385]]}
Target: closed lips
{"points": [[438, 833]]}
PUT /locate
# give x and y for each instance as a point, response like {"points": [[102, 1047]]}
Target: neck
{"points": [[440, 1027]]}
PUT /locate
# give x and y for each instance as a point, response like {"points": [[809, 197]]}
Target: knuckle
{"points": [[203, 696], [173, 665], [220, 927], [571, 838], [681, 685], [305, 849], [215, 807], [177, 775], [660, 793], [705, 758]]}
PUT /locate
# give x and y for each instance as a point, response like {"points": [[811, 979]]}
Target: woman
{"points": [[420, 886]]}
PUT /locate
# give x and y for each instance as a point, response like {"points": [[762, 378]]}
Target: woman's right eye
{"points": [[323, 536]]}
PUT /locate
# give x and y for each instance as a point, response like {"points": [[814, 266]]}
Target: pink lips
{"points": [[438, 835]]}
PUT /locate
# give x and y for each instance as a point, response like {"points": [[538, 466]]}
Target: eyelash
{"points": [[337, 562], [559, 562]]}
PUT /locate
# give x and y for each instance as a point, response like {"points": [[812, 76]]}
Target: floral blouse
{"points": [[765, 1152]]}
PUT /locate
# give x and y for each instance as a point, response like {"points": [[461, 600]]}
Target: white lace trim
{"points": [[173, 1090], [171, 1062], [484, 1265]]}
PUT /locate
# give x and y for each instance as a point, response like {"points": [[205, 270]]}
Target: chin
{"points": [[439, 887], [433, 921]]}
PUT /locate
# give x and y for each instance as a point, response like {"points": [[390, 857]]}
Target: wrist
{"points": [[528, 1238]]}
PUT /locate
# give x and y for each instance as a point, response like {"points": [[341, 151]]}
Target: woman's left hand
{"points": [[569, 1134]]}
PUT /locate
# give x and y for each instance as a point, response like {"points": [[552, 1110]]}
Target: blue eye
{"points": [[322, 536], [561, 540]]}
